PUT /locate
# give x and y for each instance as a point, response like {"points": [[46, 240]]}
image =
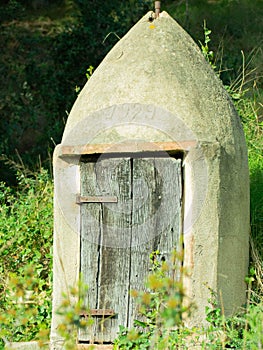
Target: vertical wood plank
{"points": [[91, 218], [157, 192], [108, 271]]}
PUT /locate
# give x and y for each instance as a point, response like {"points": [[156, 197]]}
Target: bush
{"points": [[26, 257]]}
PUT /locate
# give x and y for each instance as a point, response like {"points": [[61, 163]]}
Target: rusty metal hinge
{"points": [[96, 199], [98, 312]]}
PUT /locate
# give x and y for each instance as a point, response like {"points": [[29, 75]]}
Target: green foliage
{"points": [[208, 54], [112, 16], [232, 28], [253, 127], [241, 331], [29, 100], [25, 314], [249, 109], [12, 10], [157, 331], [70, 309], [161, 308], [25, 266], [89, 72], [253, 333]]}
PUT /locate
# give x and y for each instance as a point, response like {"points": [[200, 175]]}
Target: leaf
{"points": [[140, 323]]}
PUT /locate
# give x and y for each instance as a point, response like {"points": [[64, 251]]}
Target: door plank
{"points": [[156, 214], [91, 218], [110, 255]]}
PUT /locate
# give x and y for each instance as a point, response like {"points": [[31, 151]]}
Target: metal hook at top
{"points": [[157, 5]]}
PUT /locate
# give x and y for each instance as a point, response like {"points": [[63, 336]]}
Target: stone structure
{"points": [[154, 92]]}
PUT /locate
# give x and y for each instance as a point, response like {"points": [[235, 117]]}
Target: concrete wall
{"points": [[154, 86]]}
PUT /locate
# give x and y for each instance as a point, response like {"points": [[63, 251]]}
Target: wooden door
{"points": [[131, 207]]}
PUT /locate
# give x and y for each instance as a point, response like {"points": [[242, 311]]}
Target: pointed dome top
{"points": [[155, 75]]}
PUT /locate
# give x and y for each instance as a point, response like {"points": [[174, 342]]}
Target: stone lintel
{"points": [[124, 147]]}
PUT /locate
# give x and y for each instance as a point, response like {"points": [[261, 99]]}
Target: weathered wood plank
{"points": [[111, 257], [91, 218], [115, 258], [156, 212]]}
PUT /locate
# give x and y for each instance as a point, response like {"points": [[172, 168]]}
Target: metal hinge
{"points": [[96, 199], [98, 313]]}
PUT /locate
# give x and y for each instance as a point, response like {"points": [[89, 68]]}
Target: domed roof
{"points": [[156, 76]]}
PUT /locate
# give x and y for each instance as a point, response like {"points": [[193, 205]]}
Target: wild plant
{"points": [[72, 306], [25, 253], [161, 308]]}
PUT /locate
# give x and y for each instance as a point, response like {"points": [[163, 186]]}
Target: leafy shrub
{"points": [[25, 253], [11, 10], [71, 307], [163, 330], [161, 308]]}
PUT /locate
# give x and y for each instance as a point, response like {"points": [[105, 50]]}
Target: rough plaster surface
{"points": [[155, 85]]}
